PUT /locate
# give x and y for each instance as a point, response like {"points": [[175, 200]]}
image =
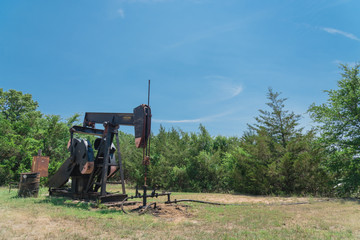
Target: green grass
{"points": [[59, 218]]}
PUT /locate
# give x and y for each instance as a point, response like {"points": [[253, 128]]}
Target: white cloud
{"points": [[121, 12], [196, 120], [231, 90], [225, 87], [345, 34]]}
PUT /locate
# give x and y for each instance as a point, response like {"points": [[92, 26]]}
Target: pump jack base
{"points": [[94, 196]]}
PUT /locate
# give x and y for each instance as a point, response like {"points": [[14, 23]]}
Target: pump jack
{"points": [[88, 175]]}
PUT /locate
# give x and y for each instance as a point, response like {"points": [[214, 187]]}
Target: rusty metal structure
{"points": [[40, 164], [29, 184], [89, 173]]}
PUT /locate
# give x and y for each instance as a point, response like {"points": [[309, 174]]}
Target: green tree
{"points": [[24, 130], [275, 129], [339, 120], [284, 157], [19, 122], [279, 123], [14, 105]]}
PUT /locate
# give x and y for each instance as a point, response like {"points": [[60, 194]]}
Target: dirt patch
{"points": [[169, 212]]}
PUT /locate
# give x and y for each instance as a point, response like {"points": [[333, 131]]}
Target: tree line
{"points": [[274, 156]]}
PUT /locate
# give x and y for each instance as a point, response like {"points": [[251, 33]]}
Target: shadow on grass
{"points": [[354, 200], [66, 202], [107, 211]]}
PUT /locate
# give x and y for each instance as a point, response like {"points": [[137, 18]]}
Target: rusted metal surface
{"points": [[29, 184], [142, 124], [40, 164], [146, 160], [87, 168]]}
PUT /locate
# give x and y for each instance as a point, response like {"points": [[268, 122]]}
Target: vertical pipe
{"points": [[146, 152], [145, 167], [149, 94], [144, 196], [120, 163]]}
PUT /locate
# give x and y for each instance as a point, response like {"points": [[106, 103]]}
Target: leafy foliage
{"points": [[339, 120], [23, 131], [340, 116]]}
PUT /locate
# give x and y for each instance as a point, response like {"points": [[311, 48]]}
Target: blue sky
{"points": [[209, 62]]}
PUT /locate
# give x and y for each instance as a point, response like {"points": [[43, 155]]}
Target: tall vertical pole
{"points": [[146, 153], [149, 94], [146, 147], [149, 138]]}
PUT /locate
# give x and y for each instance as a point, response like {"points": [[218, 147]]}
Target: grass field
{"points": [[59, 218]]}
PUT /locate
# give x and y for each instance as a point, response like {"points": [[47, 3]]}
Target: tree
{"points": [[278, 123], [340, 116], [24, 130], [339, 120], [14, 104], [19, 122], [275, 130], [286, 159]]}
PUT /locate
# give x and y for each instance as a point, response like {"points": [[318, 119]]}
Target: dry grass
{"points": [[58, 218]]}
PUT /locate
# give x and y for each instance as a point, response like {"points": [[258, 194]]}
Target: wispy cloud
{"points": [[196, 120], [121, 13], [230, 90], [337, 31], [225, 87]]}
